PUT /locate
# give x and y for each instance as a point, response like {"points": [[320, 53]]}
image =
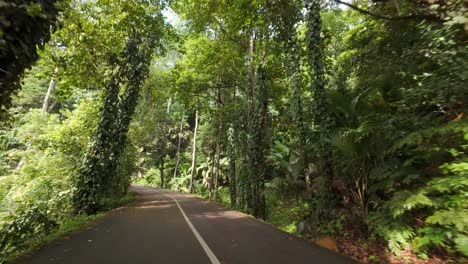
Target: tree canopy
{"points": [[324, 118]]}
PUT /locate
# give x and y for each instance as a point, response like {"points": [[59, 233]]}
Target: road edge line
{"points": [[208, 251]]}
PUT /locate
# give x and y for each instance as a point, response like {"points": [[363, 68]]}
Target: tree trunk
{"points": [[52, 106], [249, 182], [97, 175], [50, 90], [194, 150], [169, 103], [293, 65], [216, 171], [251, 69], [317, 74], [232, 166], [178, 147], [319, 109], [161, 172], [259, 147], [212, 176]]}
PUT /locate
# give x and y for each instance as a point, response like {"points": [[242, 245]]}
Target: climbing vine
{"points": [[321, 116], [317, 73], [288, 33], [25, 25], [259, 146], [326, 118], [97, 175], [231, 150]]}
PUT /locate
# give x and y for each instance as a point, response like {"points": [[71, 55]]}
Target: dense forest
{"points": [[325, 118]]}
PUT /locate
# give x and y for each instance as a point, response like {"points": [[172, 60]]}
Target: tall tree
{"points": [[286, 17], [98, 169], [317, 69], [50, 90], [194, 151], [259, 146]]}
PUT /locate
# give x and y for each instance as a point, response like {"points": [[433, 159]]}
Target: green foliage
{"points": [[181, 183], [25, 26], [286, 214], [382, 92], [33, 88], [35, 198], [150, 178], [381, 151], [438, 202], [22, 226], [317, 68], [287, 171]]}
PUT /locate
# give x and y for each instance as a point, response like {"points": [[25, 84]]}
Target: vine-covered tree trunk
{"points": [[97, 173], [259, 146], [232, 165], [178, 147], [248, 183], [161, 171], [97, 161], [212, 174], [293, 63], [323, 186], [317, 75], [217, 170], [138, 58], [194, 152]]}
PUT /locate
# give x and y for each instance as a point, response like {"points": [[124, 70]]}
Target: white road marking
{"points": [[208, 251]]}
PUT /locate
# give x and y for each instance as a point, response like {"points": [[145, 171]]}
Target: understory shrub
{"points": [[35, 194], [428, 208]]}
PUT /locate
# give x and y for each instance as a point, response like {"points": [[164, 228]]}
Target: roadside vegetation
{"points": [[324, 118]]}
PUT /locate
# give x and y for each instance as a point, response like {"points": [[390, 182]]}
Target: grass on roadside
{"points": [[67, 226], [287, 215]]}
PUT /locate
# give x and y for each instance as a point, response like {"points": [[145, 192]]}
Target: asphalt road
{"points": [[170, 227]]}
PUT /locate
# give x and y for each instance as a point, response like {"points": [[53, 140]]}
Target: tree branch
{"points": [[379, 16], [229, 36]]}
